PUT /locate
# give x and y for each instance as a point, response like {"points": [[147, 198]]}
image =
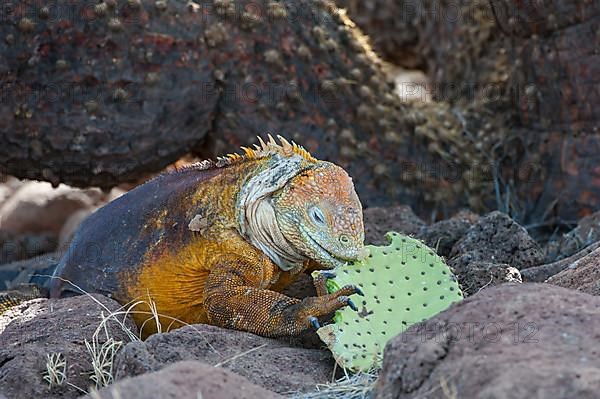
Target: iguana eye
{"points": [[317, 216], [344, 239]]}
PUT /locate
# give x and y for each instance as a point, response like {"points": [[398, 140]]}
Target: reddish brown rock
{"points": [[456, 42], [269, 363], [509, 341], [94, 96], [37, 329], [392, 26], [582, 275], [185, 380], [90, 85], [555, 140], [538, 274], [531, 67], [124, 100]]}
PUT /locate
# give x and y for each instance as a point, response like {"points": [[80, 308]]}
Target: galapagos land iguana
{"points": [[216, 242]]}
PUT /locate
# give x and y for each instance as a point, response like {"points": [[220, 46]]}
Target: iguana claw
{"points": [[315, 322], [359, 291], [328, 274], [352, 305]]}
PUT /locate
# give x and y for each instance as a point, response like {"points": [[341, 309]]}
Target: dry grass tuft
{"points": [[103, 348], [56, 367], [103, 356], [56, 372], [350, 386]]}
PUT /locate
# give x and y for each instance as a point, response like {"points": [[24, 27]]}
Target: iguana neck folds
{"points": [[265, 234], [256, 215]]}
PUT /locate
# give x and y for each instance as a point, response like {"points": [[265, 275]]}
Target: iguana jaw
{"points": [[322, 255]]}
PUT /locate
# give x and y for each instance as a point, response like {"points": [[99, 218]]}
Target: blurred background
{"points": [[439, 105]]}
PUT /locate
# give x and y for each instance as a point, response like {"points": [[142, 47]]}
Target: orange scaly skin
{"points": [[193, 243]]}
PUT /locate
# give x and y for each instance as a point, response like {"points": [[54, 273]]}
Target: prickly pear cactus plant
{"points": [[404, 283]]}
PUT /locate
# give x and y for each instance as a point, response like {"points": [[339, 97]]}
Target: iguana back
{"points": [[216, 242]]}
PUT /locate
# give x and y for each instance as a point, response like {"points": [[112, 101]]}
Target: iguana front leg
{"points": [[236, 296]]}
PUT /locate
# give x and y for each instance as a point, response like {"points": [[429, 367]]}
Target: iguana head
{"points": [[319, 214], [294, 207]]}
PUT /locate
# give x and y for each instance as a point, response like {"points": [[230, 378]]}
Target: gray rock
{"points": [[442, 235], [584, 234], [538, 274], [184, 380], [267, 362], [37, 207], [36, 329], [15, 247], [379, 221], [582, 275], [496, 238], [480, 275], [509, 341], [20, 272]]}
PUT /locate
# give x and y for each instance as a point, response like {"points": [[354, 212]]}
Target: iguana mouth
{"points": [[326, 258]]}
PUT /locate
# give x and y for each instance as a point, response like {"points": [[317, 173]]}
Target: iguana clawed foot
{"points": [[314, 322], [329, 303], [320, 283]]}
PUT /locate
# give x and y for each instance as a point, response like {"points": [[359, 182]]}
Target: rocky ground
{"points": [[528, 328], [502, 115]]}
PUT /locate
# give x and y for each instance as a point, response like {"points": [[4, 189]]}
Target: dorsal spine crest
{"points": [[261, 150]]}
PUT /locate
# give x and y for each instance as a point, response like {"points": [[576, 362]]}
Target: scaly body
{"points": [[217, 242]]}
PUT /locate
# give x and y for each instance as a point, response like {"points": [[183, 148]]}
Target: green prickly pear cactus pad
{"points": [[404, 283]]}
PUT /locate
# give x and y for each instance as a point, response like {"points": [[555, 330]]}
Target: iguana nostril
{"points": [[344, 239]]}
